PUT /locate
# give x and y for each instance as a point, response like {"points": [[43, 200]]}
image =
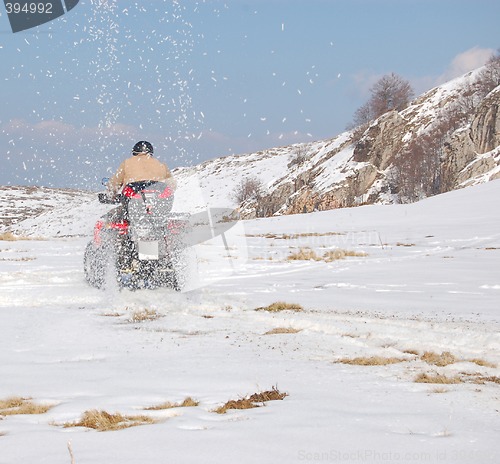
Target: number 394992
{"points": [[32, 8]]}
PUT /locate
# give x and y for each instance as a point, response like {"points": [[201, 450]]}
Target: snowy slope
{"points": [[329, 165], [428, 280]]}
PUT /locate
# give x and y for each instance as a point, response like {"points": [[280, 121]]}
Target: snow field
{"points": [[429, 282]]}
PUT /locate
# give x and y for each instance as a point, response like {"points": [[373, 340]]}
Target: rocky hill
{"points": [[447, 138]]}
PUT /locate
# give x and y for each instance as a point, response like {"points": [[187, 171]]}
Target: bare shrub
{"points": [[248, 189], [298, 156]]}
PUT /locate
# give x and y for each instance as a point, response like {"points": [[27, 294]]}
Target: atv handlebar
{"points": [[107, 200]]}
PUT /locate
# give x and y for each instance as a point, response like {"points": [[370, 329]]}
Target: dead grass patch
{"points": [[437, 378], [334, 255], [143, 315], [482, 363], [295, 236], [412, 352], [10, 237], [304, 254], [441, 360], [282, 330], [399, 244], [439, 390], [371, 361], [188, 402], [307, 254], [103, 421], [481, 379], [17, 405], [270, 395], [281, 306], [251, 401]]}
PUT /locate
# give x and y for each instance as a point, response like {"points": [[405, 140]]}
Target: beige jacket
{"points": [[140, 167]]}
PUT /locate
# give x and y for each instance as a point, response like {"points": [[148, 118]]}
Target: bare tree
{"points": [[489, 77], [391, 92], [249, 188]]}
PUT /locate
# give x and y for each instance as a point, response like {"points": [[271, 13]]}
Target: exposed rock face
{"points": [[383, 147], [382, 141], [463, 153]]}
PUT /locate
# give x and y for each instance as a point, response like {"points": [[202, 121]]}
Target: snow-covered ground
{"points": [[426, 279]]}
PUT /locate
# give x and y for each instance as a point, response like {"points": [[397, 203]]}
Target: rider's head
{"points": [[142, 147]]}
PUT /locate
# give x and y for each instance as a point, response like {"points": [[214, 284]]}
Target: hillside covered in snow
{"points": [[447, 138]]}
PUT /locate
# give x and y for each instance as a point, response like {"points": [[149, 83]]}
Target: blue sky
{"points": [[202, 79]]}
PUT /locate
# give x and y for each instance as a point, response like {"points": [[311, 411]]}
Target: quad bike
{"points": [[140, 243]]}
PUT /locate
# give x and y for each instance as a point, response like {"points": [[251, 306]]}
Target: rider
{"points": [[141, 166]]}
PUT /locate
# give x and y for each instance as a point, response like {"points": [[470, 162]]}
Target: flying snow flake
{"points": [[282, 27]]}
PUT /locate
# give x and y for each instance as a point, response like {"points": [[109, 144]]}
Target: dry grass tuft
{"points": [[307, 254], [443, 359], [16, 406], [10, 237], [437, 378], [145, 315], [483, 363], [250, 402], [481, 380], [104, 421], [334, 255], [304, 254], [410, 351], [371, 361], [243, 403], [439, 390], [186, 403], [281, 306], [269, 395], [282, 330]]}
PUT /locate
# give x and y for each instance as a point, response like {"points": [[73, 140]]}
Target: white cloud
{"points": [[461, 64], [466, 61]]}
